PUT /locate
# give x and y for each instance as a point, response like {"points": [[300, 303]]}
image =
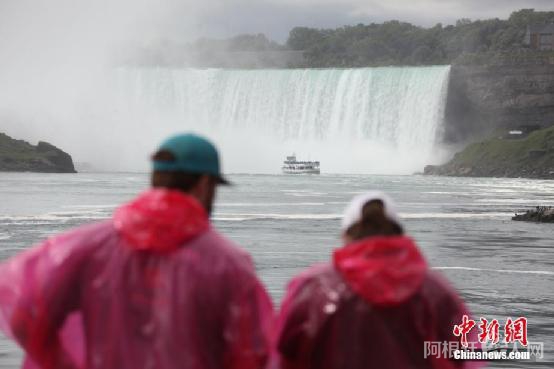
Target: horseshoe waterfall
{"points": [[369, 120]]}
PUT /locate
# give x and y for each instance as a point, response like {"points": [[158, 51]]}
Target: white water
{"points": [[369, 120], [377, 120]]}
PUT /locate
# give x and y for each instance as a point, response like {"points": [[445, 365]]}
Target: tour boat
{"points": [[292, 166]]}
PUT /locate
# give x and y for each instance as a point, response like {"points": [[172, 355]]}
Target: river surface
{"points": [[500, 267]]}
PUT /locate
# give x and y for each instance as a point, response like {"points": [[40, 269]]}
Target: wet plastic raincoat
{"points": [[154, 287], [373, 307]]}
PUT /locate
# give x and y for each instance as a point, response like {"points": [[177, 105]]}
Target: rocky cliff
{"points": [[529, 157], [483, 99], [21, 156]]}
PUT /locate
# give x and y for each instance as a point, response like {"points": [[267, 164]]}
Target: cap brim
{"points": [[223, 181]]}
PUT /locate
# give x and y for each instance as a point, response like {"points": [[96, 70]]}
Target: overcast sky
{"points": [[276, 17], [190, 19]]}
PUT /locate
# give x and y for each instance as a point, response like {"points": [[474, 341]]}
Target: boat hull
{"points": [[301, 171]]}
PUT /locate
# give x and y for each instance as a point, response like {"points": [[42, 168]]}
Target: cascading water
{"points": [[370, 120]]}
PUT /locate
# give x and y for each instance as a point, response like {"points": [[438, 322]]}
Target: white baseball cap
{"points": [[353, 212]]}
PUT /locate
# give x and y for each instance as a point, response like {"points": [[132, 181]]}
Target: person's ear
{"points": [[204, 184], [203, 191]]}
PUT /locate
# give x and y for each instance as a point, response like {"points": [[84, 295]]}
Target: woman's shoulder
{"points": [[317, 274], [319, 284], [438, 284], [441, 294]]}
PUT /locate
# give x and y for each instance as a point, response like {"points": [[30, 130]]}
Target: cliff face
{"points": [[21, 156], [483, 99], [529, 157]]}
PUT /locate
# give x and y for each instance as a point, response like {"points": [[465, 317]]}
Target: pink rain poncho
{"points": [[372, 308], [154, 287]]}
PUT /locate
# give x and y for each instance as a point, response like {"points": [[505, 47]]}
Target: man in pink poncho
{"points": [[374, 306], [154, 287]]}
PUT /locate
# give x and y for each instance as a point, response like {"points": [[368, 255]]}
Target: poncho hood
{"points": [[160, 220], [383, 270]]}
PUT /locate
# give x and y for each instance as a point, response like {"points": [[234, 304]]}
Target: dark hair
{"points": [[374, 222], [176, 180]]}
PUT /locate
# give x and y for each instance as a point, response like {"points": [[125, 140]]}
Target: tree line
{"points": [[400, 43], [361, 45]]}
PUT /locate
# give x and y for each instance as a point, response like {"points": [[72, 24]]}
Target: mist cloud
{"points": [[53, 59]]}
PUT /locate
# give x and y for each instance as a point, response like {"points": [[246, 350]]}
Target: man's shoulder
{"points": [[74, 244], [219, 248], [93, 232], [83, 237]]}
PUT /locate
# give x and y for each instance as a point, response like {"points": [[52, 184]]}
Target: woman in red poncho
{"points": [[374, 306]]}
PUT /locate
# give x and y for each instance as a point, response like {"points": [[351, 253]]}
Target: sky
{"points": [[96, 21], [276, 17]]}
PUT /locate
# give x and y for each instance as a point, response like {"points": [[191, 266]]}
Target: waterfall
{"points": [[367, 120]]}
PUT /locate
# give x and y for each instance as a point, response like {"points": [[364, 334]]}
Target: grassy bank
{"points": [[532, 157]]}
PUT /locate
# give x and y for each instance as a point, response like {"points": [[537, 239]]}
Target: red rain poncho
{"points": [[155, 287], [373, 308]]}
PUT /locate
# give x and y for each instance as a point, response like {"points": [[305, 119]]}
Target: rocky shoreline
{"points": [[21, 156], [541, 214], [479, 171], [531, 156]]}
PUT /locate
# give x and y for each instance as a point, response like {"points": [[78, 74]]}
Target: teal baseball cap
{"points": [[193, 154]]}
